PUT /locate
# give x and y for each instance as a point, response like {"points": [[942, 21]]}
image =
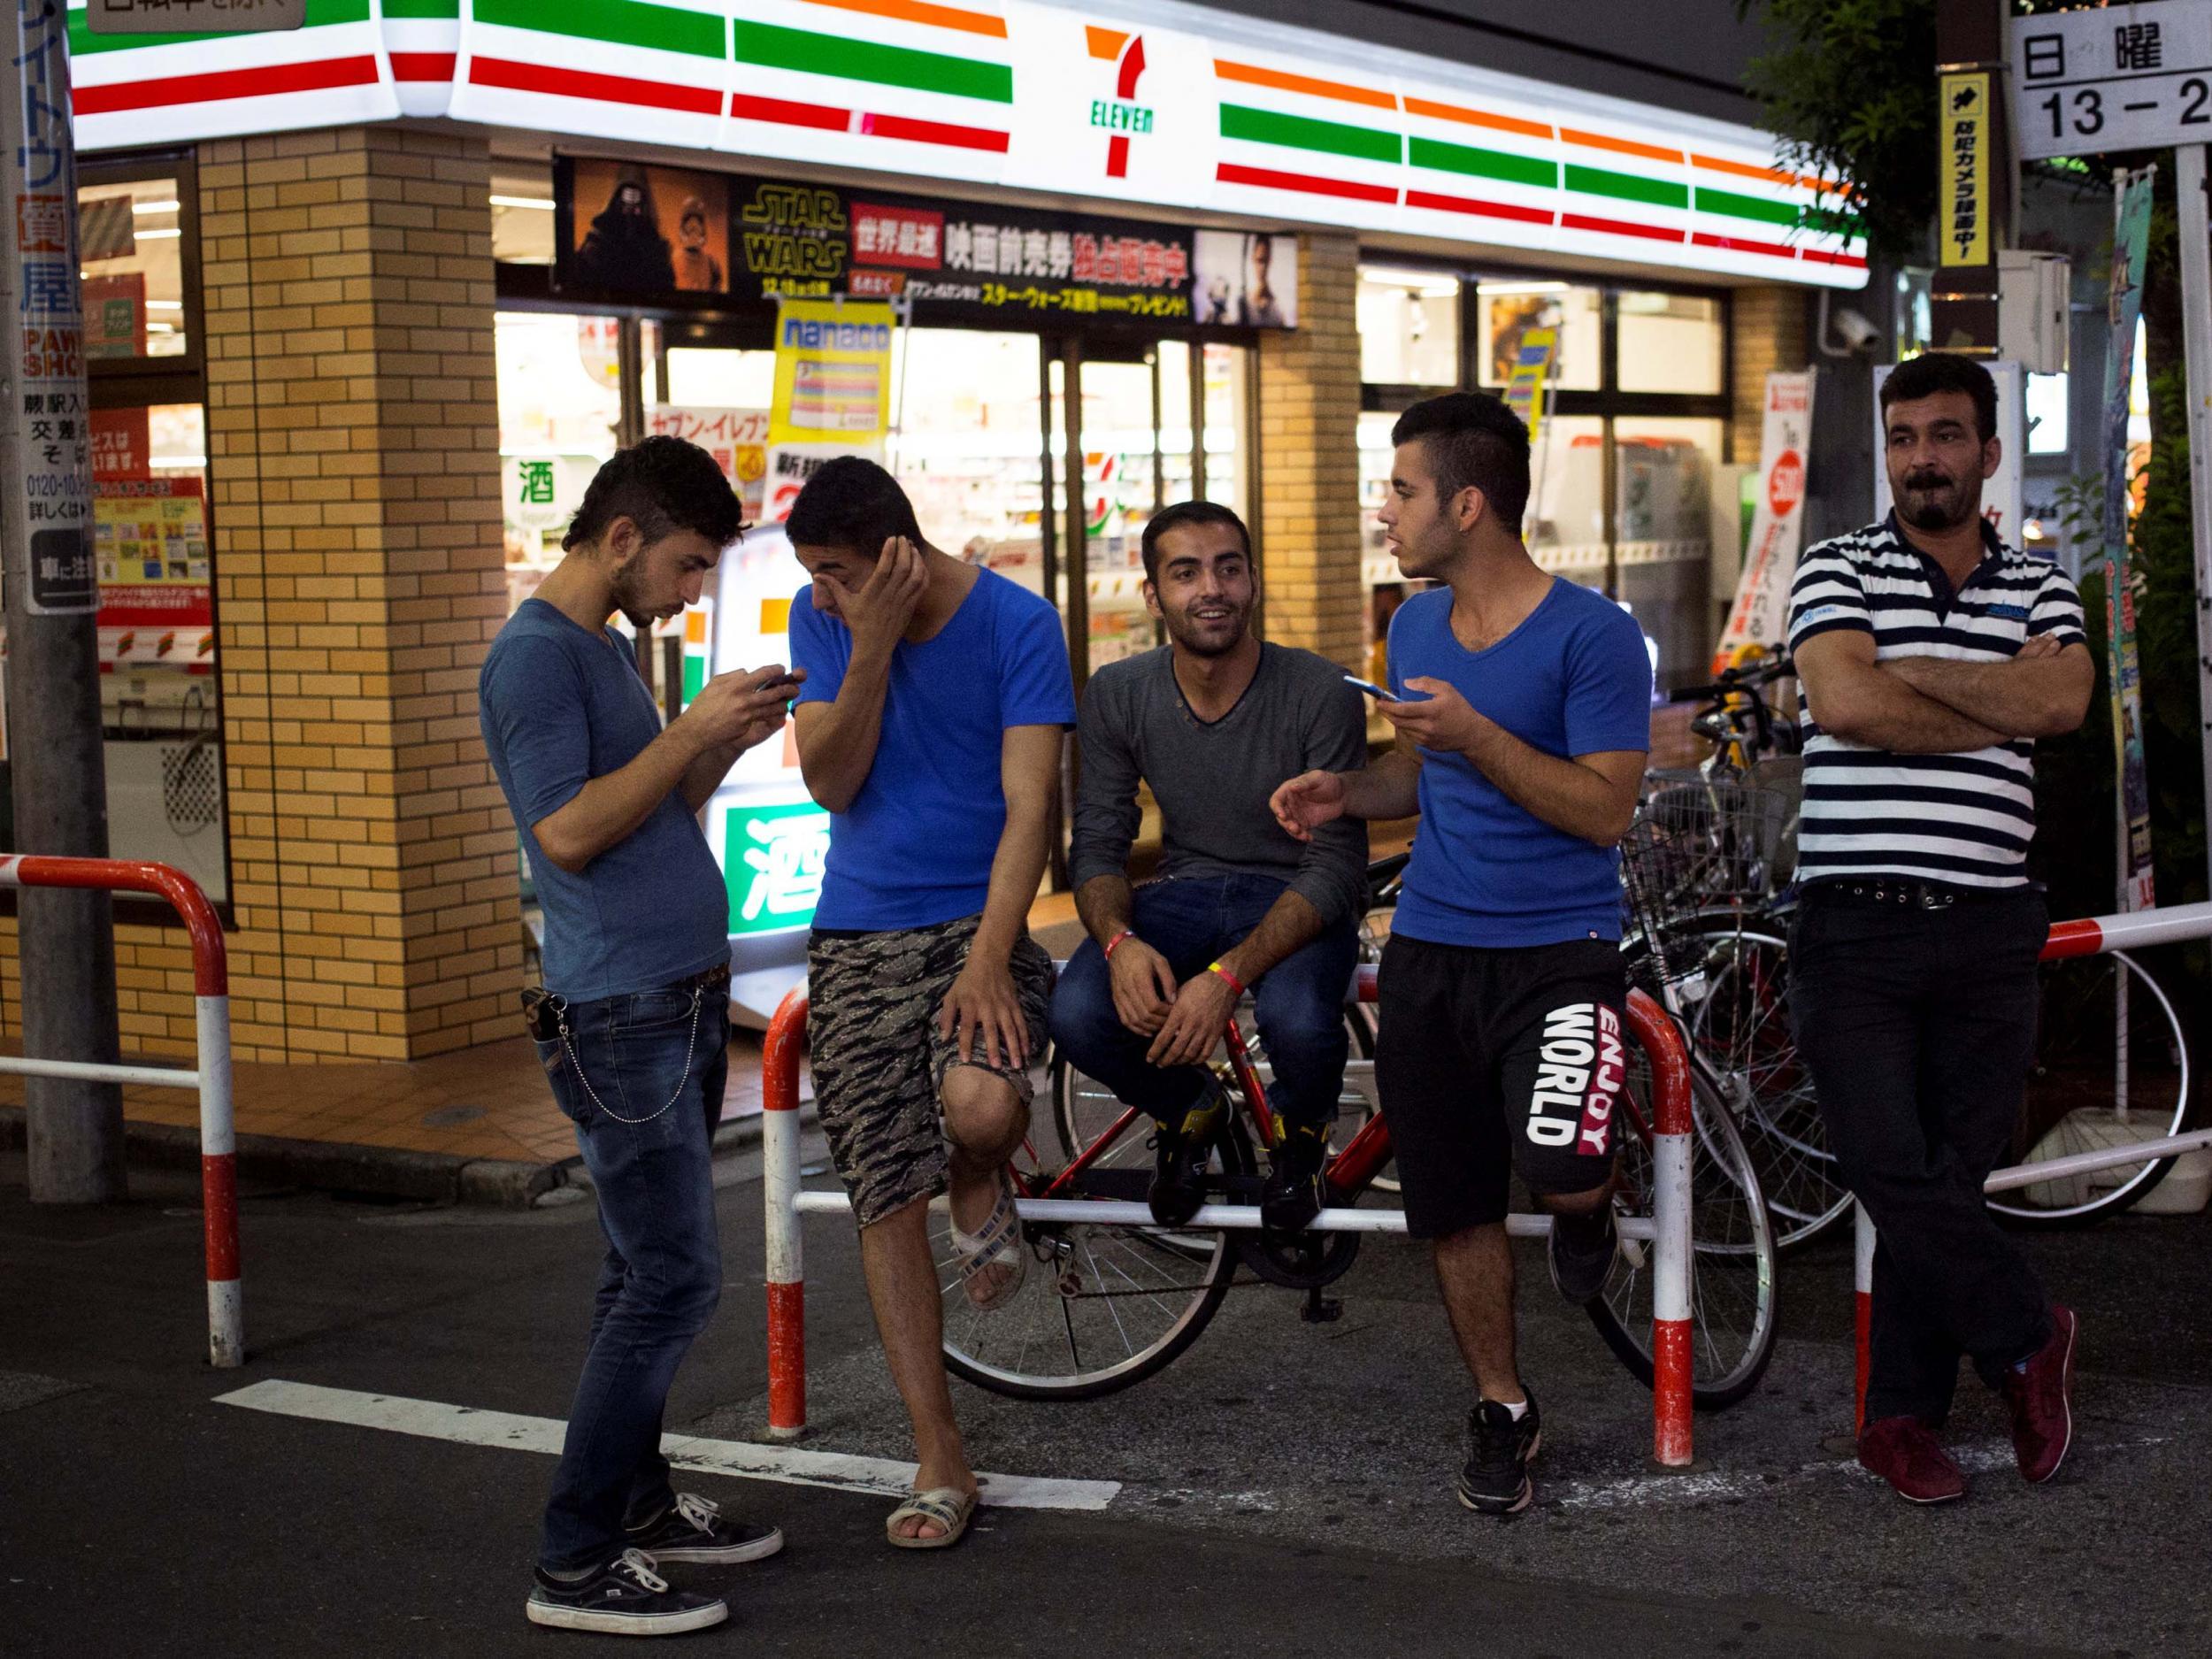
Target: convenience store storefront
{"points": [[376, 357]]}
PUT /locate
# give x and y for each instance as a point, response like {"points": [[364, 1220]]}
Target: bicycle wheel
{"points": [[1732, 1261], [2077, 1081], [1733, 990], [1101, 1306]]}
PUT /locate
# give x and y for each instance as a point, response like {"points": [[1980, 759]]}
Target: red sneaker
{"points": [[2040, 1396], [1904, 1453]]}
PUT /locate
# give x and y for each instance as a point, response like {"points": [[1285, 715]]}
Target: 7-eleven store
{"points": [[332, 345]]}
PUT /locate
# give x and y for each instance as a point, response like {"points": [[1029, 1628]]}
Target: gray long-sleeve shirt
{"points": [[1213, 780]]}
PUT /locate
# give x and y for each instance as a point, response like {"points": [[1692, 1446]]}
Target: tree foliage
{"points": [[1849, 87]]}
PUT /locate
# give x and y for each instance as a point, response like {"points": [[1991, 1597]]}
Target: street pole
{"points": [[2196, 323], [65, 940]]}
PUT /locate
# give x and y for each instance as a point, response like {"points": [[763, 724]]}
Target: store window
{"points": [[1633, 425], [1408, 327], [1507, 309], [1670, 342], [130, 240], [522, 214], [560, 406]]}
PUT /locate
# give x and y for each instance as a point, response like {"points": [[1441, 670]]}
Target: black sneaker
{"points": [[1178, 1176], [624, 1598], [1495, 1480], [1581, 1251], [1292, 1196], [694, 1530]]}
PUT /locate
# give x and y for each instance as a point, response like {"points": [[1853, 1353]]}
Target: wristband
{"points": [[1125, 933], [1234, 983]]}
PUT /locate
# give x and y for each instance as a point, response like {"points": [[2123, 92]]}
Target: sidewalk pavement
{"points": [[479, 1125]]}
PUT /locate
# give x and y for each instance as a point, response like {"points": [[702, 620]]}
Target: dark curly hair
{"points": [[662, 486]]}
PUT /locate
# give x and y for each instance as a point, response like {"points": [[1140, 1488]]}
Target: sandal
{"points": [[996, 1243], [949, 1507]]}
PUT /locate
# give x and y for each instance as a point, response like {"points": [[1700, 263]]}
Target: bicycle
{"points": [[1105, 1305], [1730, 944], [1083, 1108]]}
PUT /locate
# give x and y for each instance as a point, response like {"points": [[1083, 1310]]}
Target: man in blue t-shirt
{"points": [[633, 1021], [930, 725], [1523, 707]]}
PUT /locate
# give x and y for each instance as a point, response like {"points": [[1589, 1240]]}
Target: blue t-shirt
{"points": [[561, 705], [915, 848], [1574, 678]]}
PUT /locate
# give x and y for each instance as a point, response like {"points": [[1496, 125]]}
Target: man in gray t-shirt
{"points": [[1212, 722]]}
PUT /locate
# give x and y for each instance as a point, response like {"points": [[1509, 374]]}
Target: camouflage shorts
{"points": [[879, 1060]]}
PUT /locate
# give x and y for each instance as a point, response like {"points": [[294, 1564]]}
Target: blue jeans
{"points": [[1299, 1002], [645, 1103]]}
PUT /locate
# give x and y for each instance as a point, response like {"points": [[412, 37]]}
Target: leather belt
{"points": [[1895, 891]]}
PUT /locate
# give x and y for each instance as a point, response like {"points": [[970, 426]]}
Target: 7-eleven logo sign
{"points": [[1121, 115]]}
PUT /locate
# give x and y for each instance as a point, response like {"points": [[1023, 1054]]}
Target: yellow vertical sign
{"points": [[1966, 130], [833, 372], [1532, 365]]}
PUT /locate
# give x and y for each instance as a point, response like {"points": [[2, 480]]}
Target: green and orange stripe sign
{"points": [[1311, 128]]}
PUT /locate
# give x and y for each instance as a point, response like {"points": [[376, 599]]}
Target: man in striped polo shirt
{"points": [[1930, 655]]}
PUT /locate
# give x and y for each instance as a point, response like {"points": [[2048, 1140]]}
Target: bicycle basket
{"points": [[1699, 843]]}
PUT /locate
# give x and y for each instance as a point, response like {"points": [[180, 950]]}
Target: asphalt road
{"points": [[1283, 1488]]}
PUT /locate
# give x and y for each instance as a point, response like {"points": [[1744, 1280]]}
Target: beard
{"points": [[1943, 506], [1187, 634]]}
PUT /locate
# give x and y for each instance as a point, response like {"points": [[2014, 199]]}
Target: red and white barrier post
{"points": [[1669, 1230], [1673, 1253], [210, 1076], [1862, 1307], [2088, 936], [786, 1249]]}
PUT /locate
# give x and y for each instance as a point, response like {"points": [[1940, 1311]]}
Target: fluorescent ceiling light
{"points": [[1522, 287], [541, 203], [155, 207], [157, 235], [1429, 282]]}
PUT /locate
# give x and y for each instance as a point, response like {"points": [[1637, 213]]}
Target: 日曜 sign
{"points": [[197, 17], [2121, 77]]}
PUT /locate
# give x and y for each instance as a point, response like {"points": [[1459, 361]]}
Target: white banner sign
{"points": [[2000, 490], [1761, 613]]}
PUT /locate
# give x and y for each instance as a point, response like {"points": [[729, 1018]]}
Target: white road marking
{"points": [[790, 1464], [1706, 1487]]}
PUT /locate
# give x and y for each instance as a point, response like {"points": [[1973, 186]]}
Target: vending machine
{"points": [[767, 832]]}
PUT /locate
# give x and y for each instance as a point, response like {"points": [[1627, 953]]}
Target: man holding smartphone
{"points": [[633, 1022], [1523, 705]]}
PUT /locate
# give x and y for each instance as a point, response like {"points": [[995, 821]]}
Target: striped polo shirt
{"points": [[1962, 820]]}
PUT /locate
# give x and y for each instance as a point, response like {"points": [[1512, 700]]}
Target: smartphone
{"points": [[1376, 691]]}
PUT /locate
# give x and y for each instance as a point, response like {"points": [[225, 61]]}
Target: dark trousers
{"points": [[661, 1275], [1298, 1004], [1919, 1026]]}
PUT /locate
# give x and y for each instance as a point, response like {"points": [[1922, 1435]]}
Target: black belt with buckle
{"points": [[1910, 895], [708, 980]]}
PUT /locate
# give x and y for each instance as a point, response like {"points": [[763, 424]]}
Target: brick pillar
{"points": [[1767, 332], [1308, 473], [354, 448]]}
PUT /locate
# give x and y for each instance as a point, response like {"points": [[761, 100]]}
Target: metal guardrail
{"points": [[2088, 936], [784, 1203], [210, 1076]]}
